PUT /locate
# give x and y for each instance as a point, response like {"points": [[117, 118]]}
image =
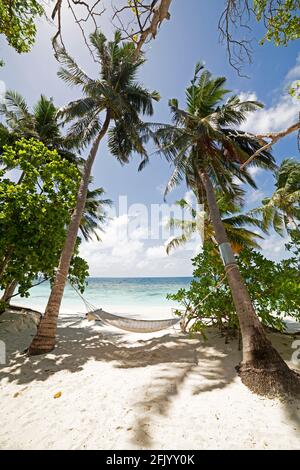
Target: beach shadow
{"points": [[77, 345], [284, 345], [208, 368], [174, 361]]}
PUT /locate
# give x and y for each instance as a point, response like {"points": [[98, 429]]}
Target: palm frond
{"points": [[72, 74]]}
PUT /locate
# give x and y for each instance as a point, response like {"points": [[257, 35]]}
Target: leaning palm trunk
{"points": [[262, 369], [44, 341]]}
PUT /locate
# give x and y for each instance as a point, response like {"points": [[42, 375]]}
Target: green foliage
{"points": [[204, 136], [293, 246], [234, 222], [274, 289], [294, 90], [94, 214], [79, 270], [34, 213], [282, 209], [281, 18], [17, 22], [40, 123], [116, 89], [3, 306]]}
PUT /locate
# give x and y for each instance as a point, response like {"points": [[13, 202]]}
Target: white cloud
{"points": [[156, 252], [2, 91], [281, 114], [294, 73], [255, 195], [126, 252], [190, 198], [274, 118], [236, 180], [254, 170], [119, 255], [273, 247], [248, 96]]}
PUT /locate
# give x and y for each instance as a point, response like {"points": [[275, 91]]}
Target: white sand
{"points": [[125, 391]]}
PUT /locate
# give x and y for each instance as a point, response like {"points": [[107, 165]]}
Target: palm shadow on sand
{"points": [[176, 359]]}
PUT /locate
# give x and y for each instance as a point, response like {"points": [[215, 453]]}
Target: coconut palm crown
{"points": [[41, 123], [205, 136], [116, 90], [282, 210], [236, 224]]}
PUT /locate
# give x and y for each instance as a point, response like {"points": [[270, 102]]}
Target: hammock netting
{"points": [[132, 324]]}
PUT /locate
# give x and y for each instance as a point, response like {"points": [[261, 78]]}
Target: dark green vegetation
{"points": [[274, 289], [17, 22], [35, 210]]}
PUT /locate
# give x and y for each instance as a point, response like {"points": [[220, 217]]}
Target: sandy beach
{"points": [[120, 390]]}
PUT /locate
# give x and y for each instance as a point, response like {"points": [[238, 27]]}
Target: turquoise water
{"points": [[144, 294]]}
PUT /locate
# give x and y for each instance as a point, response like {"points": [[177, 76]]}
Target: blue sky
{"points": [[190, 36]]}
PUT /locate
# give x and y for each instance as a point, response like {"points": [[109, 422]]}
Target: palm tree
{"points": [[116, 95], [93, 219], [234, 222], [94, 214], [207, 150], [282, 210], [41, 123]]}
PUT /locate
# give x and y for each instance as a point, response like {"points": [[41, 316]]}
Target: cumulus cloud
{"points": [[294, 73], [281, 114], [273, 247], [190, 198], [255, 170], [126, 251], [255, 196], [156, 252]]}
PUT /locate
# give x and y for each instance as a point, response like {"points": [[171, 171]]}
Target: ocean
{"points": [[143, 297]]}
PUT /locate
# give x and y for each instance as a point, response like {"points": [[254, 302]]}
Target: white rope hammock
{"points": [[131, 324], [124, 323]]}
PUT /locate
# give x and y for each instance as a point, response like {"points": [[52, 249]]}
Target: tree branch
{"points": [[146, 22], [160, 14], [273, 137], [147, 18]]}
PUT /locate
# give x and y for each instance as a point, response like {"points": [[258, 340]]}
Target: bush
{"points": [[274, 289]]}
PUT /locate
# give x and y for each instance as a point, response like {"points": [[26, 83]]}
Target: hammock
{"points": [[131, 324]]}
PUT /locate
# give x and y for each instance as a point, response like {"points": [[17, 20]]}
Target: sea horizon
{"points": [[140, 277], [141, 296]]}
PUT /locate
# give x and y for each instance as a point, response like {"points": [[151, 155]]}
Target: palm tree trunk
{"points": [[262, 369], [44, 341], [9, 291]]}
